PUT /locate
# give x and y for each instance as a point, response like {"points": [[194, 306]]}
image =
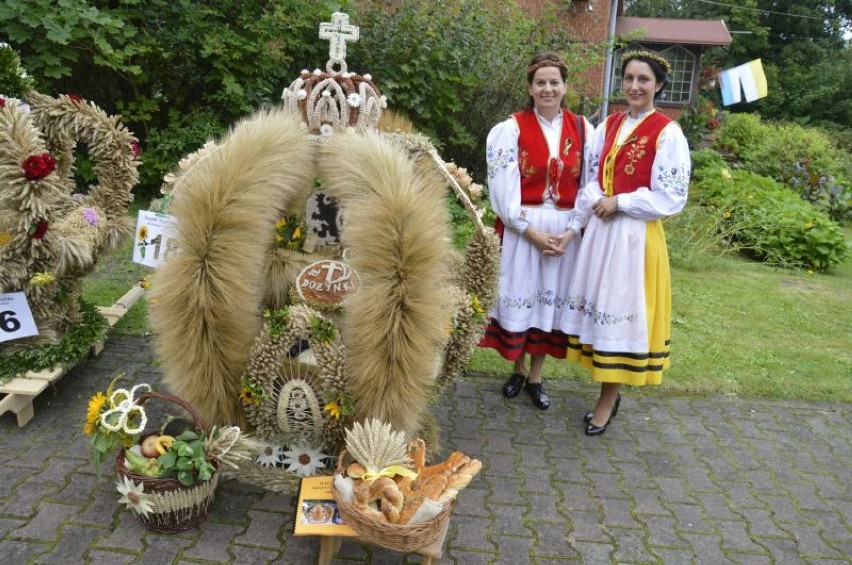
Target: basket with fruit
{"points": [[168, 481]]}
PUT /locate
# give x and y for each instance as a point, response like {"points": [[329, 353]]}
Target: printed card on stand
{"points": [[154, 239], [16, 318]]}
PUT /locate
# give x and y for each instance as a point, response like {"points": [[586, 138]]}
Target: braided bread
{"points": [[380, 497]]}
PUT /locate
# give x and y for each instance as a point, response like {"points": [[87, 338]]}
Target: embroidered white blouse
{"points": [[669, 184], [504, 176]]}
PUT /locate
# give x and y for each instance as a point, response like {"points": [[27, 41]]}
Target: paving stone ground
{"points": [[701, 479]]}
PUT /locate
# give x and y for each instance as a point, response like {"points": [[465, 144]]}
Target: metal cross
{"points": [[338, 32]]}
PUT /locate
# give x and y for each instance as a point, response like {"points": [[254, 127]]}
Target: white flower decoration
{"points": [[304, 460], [269, 456], [125, 406], [134, 497], [326, 130], [317, 72], [305, 71], [384, 101], [326, 93], [301, 94], [368, 77], [354, 99], [346, 74]]}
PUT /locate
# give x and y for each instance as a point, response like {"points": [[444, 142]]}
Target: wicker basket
{"points": [[400, 537], [176, 507]]}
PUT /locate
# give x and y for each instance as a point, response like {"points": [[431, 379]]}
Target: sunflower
{"points": [[143, 233], [333, 408], [93, 414]]}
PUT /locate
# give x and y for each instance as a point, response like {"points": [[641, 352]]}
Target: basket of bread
{"points": [[386, 493]]}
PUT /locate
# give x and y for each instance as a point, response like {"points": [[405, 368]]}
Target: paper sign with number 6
{"points": [[16, 319]]}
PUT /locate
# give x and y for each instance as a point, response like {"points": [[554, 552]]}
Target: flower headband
{"points": [[630, 55], [546, 63]]}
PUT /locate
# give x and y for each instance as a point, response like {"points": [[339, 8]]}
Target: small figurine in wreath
{"points": [[167, 481]]}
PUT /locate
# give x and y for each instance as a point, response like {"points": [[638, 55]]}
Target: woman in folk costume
{"points": [[535, 167], [618, 316]]}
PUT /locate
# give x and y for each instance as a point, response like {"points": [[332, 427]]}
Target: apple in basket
{"points": [[154, 445]]}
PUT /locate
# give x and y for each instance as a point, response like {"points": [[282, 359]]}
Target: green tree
{"points": [[457, 67], [178, 72]]}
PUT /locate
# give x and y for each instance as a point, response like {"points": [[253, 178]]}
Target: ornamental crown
{"points": [[335, 98]]}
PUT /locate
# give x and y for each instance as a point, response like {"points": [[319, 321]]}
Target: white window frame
{"points": [[681, 88]]}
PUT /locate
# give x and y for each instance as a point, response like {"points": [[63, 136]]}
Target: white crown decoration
{"points": [[335, 99]]}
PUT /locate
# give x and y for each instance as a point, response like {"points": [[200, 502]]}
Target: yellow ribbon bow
{"points": [[389, 472]]}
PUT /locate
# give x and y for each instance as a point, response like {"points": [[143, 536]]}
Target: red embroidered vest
{"points": [[634, 159], [541, 175]]}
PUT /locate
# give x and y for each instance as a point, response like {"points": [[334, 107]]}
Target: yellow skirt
{"points": [[639, 368]]}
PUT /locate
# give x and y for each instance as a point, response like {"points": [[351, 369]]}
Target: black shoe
{"points": [[539, 397], [591, 414], [593, 430], [513, 385]]}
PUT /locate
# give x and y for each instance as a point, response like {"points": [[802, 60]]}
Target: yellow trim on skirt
{"points": [[639, 368]]}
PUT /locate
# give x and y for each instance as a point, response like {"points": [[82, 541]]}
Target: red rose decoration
{"points": [[135, 149], [2, 102], [38, 230], [75, 98], [38, 166]]}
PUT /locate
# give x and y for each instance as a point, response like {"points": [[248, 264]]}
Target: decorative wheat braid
{"points": [[183, 502], [479, 276], [272, 479]]}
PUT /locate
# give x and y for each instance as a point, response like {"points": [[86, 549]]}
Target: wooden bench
{"points": [[21, 391]]}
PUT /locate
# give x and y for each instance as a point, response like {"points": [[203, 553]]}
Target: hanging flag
{"points": [[748, 78]]}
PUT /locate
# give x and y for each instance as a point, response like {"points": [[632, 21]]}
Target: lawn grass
{"points": [[114, 275]]}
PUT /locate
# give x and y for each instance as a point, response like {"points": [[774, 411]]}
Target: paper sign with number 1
{"points": [[16, 319]]}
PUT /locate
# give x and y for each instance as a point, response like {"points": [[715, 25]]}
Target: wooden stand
{"points": [[21, 391], [431, 554]]}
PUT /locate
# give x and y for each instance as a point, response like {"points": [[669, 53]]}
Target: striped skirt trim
{"points": [[534, 341]]}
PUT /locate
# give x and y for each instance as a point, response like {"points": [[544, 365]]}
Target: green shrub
{"points": [[806, 159], [788, 144], [830, 194], [768, 221], [705, 160], [740, 134]]}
